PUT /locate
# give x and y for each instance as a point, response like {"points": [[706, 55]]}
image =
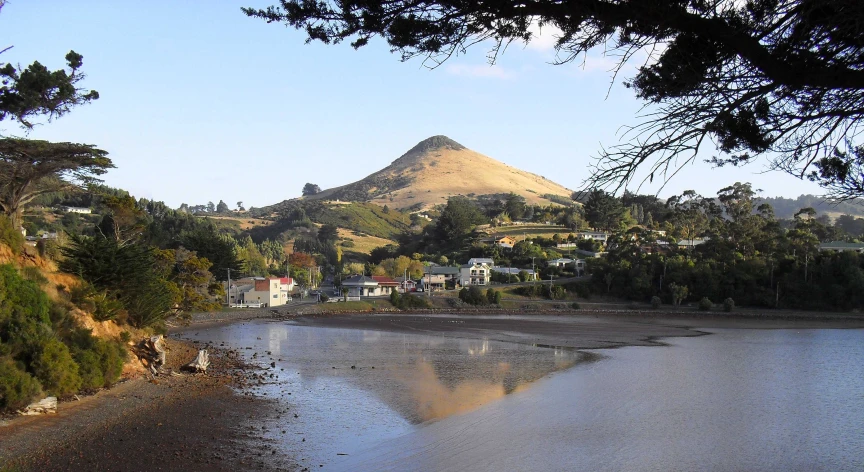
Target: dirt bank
{"points": [[188, 423]]}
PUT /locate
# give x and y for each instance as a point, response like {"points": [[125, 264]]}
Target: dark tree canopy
{"points": [[311, 189], [29, 168], [604, 211], [779, 79], [37, 91]]}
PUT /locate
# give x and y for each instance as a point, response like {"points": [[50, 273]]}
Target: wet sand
{"points": [[575, 331]]}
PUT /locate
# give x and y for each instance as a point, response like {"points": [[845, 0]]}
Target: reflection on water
{"points": [[353, 388]]}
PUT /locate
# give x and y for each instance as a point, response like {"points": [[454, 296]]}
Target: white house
{"points": [[561, 262], [481, 260], [476, 272], [595, 235], [361, 286], [83, 211]]}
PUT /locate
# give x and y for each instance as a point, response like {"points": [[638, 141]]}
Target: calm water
{"points": [[734, 400]]}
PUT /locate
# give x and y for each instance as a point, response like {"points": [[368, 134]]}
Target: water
{"points": [[735, 400]]}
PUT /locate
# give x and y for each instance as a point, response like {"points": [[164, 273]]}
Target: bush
{"points": [[728, 304], [490, 296], [100, 362], [705, 304], [656, 302], [575, 306], [17, 387], [473, 295], [347, 243], [323, 297], [10, 236], [55, 368], [33, 274], [394, 298]]}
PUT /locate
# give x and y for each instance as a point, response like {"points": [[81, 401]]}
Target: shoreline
{"points": [[201, 422], [183, 423]]}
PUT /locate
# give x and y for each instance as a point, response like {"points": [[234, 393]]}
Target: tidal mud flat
{"points": [[355, 392]]}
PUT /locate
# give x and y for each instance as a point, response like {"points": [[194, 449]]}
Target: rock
{"points": [[45, 405]]}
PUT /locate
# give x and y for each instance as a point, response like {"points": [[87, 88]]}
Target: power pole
{"points": [[228, 294]]}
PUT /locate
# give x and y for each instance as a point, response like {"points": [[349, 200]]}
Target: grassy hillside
{"points": [[438, 168]]}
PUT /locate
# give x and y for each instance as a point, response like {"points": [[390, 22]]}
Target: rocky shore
{"points": [[171, 423]]}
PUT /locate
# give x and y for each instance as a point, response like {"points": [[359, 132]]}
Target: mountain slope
{"points": [[437, 168]]}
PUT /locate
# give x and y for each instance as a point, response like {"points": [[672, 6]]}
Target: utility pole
{"points": [[533, 273], [228, 294]]}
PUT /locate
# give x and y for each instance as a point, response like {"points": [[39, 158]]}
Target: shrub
{"points": [[490, 296], [324, 297], [413, 301], [705, 304], [55, 368], [575, 306], [17, 387], [347, 243], [473, 295], [728, 304], [656, 302], [394, 298], [100, 362], [10, 235], [33, 274]]}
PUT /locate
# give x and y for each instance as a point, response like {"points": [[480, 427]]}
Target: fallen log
{"points": [[200, 363], [151, 352]]}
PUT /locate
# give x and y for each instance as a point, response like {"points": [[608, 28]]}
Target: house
{"points": [[515, 271], [841, 246], [83, 211], [594, 235], [561, 262], [476, 272], [431, 282], [360, 286], [449, 275], [691, 243], [481, 260], [588, 254], [269, 291], [501, 241], [579, 267], [406, 285], [386, 285]]}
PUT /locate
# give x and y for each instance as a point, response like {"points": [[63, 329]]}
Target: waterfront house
{"points": [[273, 291], [360, 286], [386, 285], [476, 272], [515, 271]]}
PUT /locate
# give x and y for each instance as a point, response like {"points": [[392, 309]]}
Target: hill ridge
{"points": [[435, 169]]}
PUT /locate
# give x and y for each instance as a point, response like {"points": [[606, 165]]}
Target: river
{"points": [[737, 399]]}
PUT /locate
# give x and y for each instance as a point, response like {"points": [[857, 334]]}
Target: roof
{"points": [[511, 270], [286, 280], [481, 260], [359, 280], [445, 270], [842, 245], [561, 259], [382, 280]]}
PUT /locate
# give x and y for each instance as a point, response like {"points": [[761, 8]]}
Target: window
{"points": [[275, 296]]}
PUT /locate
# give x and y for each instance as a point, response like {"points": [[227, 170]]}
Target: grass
{"points": [[363, 244], [546, 231], [366, 218], [237, 222]]}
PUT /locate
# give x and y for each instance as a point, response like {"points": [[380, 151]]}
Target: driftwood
{"points": [[45, 405], [151, 352], [200, 363]]}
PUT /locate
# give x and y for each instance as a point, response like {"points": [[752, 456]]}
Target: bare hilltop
{"points": [[438, 168]]}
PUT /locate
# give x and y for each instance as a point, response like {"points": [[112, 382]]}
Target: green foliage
{"points": [[705, 304], [473, 295], [11, 236], [56, 370], [728, 305], [33, 274], [394, 298], [457, 220], [100, 362], [656, 302], [604, 211], [17, 387], [575, 306], [311, 189]]}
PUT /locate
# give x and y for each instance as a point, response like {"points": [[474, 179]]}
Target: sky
{"points": [[200, 103]]}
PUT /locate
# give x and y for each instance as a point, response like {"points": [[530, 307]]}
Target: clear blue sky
{"points": [[200, 103]]}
